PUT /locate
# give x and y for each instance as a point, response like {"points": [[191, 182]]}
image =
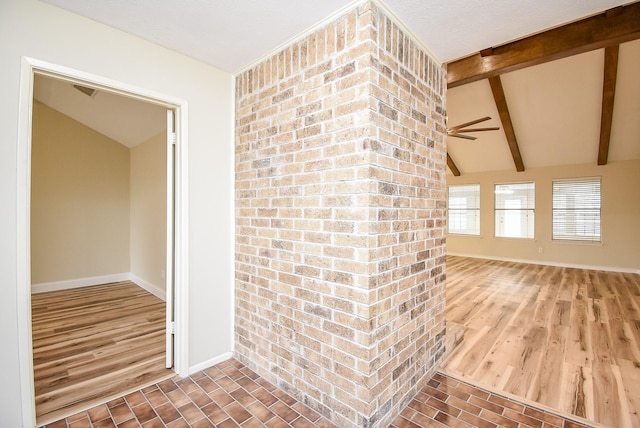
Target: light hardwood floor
{"points": [[94, 343], [568, 339]]}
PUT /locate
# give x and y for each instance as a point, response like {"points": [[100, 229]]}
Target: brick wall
{"points": [[340, 204]]}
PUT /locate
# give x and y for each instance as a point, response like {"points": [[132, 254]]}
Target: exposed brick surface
{"points": [[340, 189]]}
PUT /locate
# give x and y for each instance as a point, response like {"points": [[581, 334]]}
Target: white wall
{"points": [[620, 219], [149, 213], [37, 30]]}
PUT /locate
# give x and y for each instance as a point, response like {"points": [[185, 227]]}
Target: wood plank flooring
{"points": [[94, 343], [568, 339]]}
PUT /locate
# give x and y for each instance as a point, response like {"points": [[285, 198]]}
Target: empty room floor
{"points": [[567, 339], [94, 343]]}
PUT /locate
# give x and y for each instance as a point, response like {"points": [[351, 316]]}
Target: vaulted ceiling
{"points": [[569, 95], [554, 105]]}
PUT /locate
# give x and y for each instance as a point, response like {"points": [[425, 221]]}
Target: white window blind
{"points": [[464, 209], [514, 210], [576, 210]]}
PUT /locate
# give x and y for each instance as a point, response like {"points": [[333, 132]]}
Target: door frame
{"points": [[29, 68]]}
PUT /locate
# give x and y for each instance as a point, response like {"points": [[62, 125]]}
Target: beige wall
{"points": [[148, 211], [620, 223], [79, 200], [34, 29]]}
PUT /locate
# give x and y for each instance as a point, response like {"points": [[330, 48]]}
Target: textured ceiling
{"points": [[230, 34]]}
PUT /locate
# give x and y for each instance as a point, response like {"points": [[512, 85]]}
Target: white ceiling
{"points": [[126, 120], [230, 34], [555, 107]]}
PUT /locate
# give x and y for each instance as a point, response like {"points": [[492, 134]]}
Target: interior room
{"points": [[385, 212], [98, 244]]}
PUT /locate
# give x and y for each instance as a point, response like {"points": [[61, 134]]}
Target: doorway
{"points": [[172, 272]]}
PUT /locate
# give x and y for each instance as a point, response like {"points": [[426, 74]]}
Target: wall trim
{"points": [[67, 284], [159, 292], [547, 263], [210, 362]]}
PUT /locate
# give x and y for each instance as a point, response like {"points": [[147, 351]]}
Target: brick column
{"points": [[340, 205]]}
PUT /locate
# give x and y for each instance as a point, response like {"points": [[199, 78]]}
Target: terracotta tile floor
{"points": [[231, 395]]}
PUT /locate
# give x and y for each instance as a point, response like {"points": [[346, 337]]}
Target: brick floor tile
{"points": [[131, 423], [231, 395], [84, 423], [199, 397], [498, 419], [242, 396], [543, 416], [229, 423], [476, 421], [264, 396], [207, 384], [105, 423], [135, 398], [144, 412], [486, 405], [473, 391], [215, 413], [153, 423], [167, 413], [187, 385], [523, 419], [237, 412], [444, 407], [505, 402], [121, 413], [191, 413], [98, 413], [260, 411], [284, 411], [451, 421], [464, 405]]}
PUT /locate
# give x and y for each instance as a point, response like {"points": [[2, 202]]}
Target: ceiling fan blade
{"points": [[495, 128], [473, 122], [466, 137]]}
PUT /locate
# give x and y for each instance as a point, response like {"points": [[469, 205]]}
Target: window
{"points": [[514, 210], [576, 209], [464, 209]]}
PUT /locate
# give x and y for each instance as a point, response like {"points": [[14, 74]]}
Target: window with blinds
{"points": [[576, 209], [514, 210], [464, 209]]}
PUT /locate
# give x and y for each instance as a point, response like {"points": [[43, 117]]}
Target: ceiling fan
{"points": [[456, 131]]}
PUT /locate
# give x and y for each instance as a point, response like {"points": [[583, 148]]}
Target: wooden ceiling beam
{"points": [[505, 118], [452, 166], [615, 26], [608, 96]]}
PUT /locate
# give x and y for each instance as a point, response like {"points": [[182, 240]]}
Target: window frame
{"points": [[463, 210], [529, 210], [574, 238]]}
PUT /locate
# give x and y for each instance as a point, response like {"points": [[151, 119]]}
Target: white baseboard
{"points": [[210, 363], [44, 287], [161, 293], [547, 263], [98, 280]]}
